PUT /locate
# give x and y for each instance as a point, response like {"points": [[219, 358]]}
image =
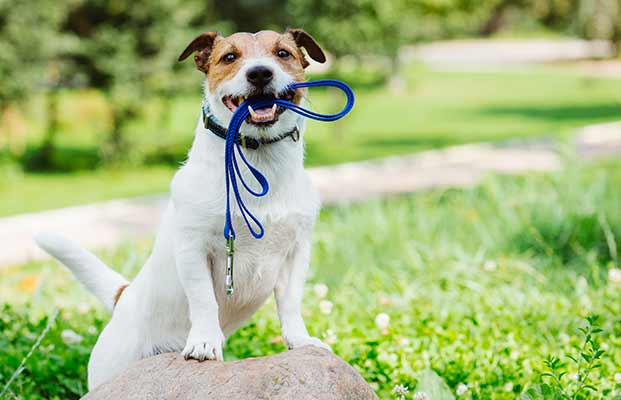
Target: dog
{"points": [[178, 300]]}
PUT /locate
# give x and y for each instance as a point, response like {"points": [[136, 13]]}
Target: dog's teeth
{"points": [[274, 107], [252, 113]]}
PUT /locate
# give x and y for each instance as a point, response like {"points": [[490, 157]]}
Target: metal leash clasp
{"points": [[230, 251]]}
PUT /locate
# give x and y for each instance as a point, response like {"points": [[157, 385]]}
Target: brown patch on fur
{"points": [[220, 70], [203, 43], [212, 48], [306, 41], [293, 65], [118, 293]]}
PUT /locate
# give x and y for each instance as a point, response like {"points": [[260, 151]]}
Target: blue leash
{"points": [[233, 173]]}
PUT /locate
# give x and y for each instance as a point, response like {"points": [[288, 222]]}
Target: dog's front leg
{"points": [[205, 338], [288, 292]]}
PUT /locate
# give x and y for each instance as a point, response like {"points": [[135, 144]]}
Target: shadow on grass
{"points": [[60, 159], [567, 113], [417, 142]]}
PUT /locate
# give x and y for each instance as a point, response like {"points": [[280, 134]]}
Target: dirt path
{"points": [[482, 52]]}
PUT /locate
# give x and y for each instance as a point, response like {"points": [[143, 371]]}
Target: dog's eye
{"points": [[282, 53], [229, 57]]}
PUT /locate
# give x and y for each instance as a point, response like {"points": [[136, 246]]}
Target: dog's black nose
{"points": [[259, 76]]}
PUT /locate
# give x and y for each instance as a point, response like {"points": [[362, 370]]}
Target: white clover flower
{"points": [[325, 306], [564, 338], [614, 275], [461, 389], [401, 391], [70, 337], [404, 341], [84, 308], [514, 355], [92, 330], [604, 346], [382, 320], [321, 290], [508, 387], [420, 396], [490, 265], [618, 378], [330, 337], [574, 376]]}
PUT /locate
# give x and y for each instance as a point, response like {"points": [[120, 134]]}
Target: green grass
{"points": [[32, 192], [437, 109], [480, 284]]}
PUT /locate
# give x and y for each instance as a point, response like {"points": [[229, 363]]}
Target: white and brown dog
{"points": [[177, 302]]}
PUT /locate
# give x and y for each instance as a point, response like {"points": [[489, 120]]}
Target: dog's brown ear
{"points": [[203, 43], [306, 41]]}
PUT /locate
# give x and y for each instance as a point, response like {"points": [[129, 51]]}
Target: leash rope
{"points": [[231, 166]]}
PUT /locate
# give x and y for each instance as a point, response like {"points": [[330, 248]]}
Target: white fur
{"points": [[177, 302]]}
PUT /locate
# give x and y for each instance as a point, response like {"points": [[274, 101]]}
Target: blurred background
{"points": [[480, 258], [92, 95]]}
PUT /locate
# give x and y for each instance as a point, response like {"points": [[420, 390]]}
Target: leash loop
{"points": [[232, 172]]}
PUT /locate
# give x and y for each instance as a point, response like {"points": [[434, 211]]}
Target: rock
{"points": [[305, 373]]}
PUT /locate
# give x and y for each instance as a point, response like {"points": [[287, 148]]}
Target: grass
{"points": [[437, 109], [33, 192], [480, 285]]}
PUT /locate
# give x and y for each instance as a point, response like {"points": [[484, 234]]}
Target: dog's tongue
{"points": [[265, 114]]}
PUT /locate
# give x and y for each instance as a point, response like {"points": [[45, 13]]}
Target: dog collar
{"points": [[211, 123]]}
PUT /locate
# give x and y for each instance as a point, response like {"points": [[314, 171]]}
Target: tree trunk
{"points": [[114, 148], [496, 19], [47, 149]]}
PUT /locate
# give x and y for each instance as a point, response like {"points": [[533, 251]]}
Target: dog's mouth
{"points": [[260, 116]]}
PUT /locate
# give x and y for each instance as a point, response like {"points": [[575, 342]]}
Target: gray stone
{"points": [[305, 373]]}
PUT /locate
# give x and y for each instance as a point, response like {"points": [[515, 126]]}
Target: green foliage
{"points": [[577, 231], [463, 301], [56, 370], [586, 360], [28, 41], [358, 27], [129, 51]]}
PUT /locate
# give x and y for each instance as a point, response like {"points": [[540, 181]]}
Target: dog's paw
{"points": [[301, 341], [204, 348], [202, 351]]}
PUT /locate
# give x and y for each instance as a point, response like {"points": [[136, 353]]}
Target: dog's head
{"points": [[246, 65]]}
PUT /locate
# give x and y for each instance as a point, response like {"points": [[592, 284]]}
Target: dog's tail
{"points": [[96, 276]]}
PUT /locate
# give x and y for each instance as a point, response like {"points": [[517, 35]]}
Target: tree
{"points": [[358, 27], [129, 50], [601, 19], [28, 43]]}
